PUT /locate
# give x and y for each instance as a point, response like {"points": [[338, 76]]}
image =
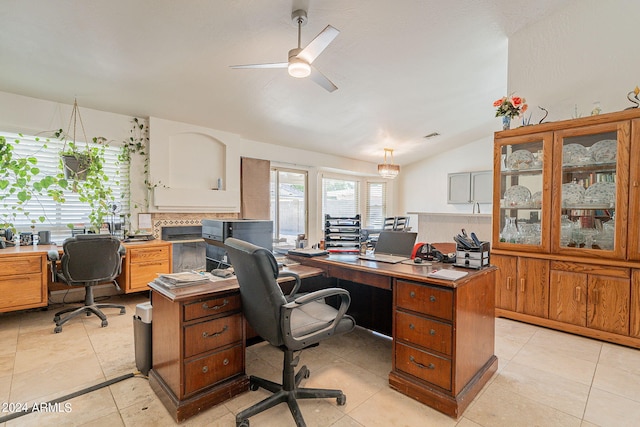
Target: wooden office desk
{"points": [[198, 344], [25, 277], [443, 331]]}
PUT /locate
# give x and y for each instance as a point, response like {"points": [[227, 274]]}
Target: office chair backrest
{"points": [[91, 258], [256, 270]]}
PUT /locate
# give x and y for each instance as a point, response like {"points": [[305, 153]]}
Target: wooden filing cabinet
{"points": [[443, 346], [198, 352], [23, 280], [142, 263]]}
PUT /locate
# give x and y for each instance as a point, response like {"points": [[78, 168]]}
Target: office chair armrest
{"points": [[53, 257], [345, 300], [296, 286]]}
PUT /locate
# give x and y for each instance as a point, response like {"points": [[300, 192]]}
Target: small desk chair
{"points": [[87, 260], [290, 323]]}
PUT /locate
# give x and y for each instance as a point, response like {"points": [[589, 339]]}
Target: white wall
{"points": [[585, 52], [21, 114], [423, 185]]}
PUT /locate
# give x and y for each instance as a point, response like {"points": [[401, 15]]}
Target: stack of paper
{"points": [[185, 278], [447, 274]]}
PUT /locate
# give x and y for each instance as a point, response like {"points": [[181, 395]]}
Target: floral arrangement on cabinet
{"points": [[509, 107]]}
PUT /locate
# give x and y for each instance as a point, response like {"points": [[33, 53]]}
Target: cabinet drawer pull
{"points": [[205, 369], [522, 285], [215, 334], [411, 326], [432, 298], [420, 365], [577, 292], [509, 283], [205, 306], [412, 294], [432, 332], [225, 362]]}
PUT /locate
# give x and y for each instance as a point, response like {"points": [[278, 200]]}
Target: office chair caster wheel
{"points": [[123, 311], [307, 373], [55, 319], [243, 423], [341, 400], [104, 323], [57, 329], [253, 386]]}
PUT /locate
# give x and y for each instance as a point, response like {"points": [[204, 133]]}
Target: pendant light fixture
{"points": [[388, 170]]}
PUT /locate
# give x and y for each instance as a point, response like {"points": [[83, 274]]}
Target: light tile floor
{"points": [[545, 378]]}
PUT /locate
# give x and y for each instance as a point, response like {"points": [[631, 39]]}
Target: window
{"points": [[376, 209], [340, 197], [58, 216], [288, 204]]}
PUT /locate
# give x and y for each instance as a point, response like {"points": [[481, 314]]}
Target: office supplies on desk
{"points": [[393, 247]]}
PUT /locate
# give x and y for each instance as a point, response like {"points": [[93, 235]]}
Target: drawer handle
{"points": [[432, 298], [420, 365], [432, 332], [206, 334], [205, 306], [205, 369], [225, 362], [411, 326], [412, 294]]}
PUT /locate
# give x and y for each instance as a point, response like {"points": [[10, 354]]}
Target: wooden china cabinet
{"points": [[566, 225]]}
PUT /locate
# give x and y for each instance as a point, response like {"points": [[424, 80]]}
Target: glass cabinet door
{"points": [[591, 179], [522, 172]]}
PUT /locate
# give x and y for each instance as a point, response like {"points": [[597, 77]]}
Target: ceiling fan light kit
{"points": [[297, 67], [300, 59]]}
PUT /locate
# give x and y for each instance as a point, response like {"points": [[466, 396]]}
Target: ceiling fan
{"points": [[300, 59]]}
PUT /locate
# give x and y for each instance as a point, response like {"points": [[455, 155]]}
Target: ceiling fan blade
{"points": [[317, 45], [322, 80], [273, 65]]}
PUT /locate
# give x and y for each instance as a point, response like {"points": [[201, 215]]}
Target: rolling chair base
{"points": [[89, 307], [289, 392]]}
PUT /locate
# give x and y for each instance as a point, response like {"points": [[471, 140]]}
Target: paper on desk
{"points": [[447, 274]]}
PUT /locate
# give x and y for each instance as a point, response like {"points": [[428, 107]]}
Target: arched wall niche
{"points": [[197, 160], [186, 165]]}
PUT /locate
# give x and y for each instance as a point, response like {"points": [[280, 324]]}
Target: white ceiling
{"points": [[404, 68]]}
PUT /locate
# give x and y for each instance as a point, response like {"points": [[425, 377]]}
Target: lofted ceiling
{"points": [[404, 68]]}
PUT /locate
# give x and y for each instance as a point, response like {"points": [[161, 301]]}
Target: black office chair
{"points": [[290, 323], [87, 260]]}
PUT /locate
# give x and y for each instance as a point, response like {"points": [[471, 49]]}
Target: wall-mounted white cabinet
{"points": [[469, 187]]}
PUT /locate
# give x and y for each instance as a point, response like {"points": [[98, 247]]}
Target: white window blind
{"points": [[340, 197], [376, 204], [57, 215]]}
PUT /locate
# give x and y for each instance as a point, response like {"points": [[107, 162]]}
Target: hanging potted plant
{"points": [[75, 161], [83, 167]]}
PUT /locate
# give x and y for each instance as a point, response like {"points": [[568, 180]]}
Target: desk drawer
{"points": [[425, 299], [424, 332], [142, 273], [423, 365], [20, 265], [206, 336], [213, 368], [148, 254], [20, 291], [211, 306], [370, 279]]}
